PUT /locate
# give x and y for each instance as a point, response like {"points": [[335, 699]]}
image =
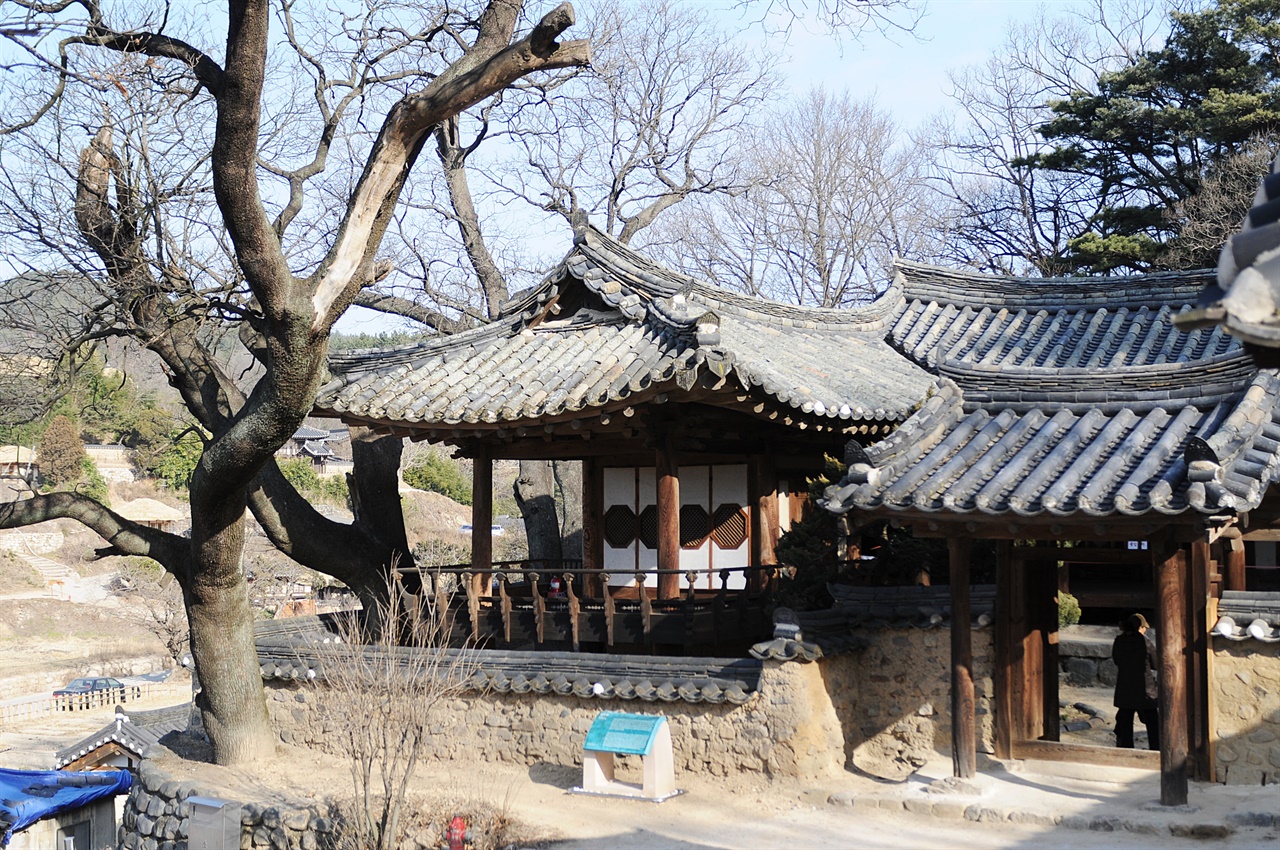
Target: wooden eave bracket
{"points": [[1221, 526]]}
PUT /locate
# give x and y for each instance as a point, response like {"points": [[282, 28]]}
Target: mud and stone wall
{"points": [[894, 698], [789, 728], [885, 709], [1246, 717], [157, 815]]}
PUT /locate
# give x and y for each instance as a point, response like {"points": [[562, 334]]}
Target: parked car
{"points": [[97, 689]]}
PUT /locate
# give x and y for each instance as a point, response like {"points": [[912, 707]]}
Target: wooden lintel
{"points": [[1028, 528]]}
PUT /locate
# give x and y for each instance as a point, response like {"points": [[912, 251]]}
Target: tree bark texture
{"points": [[291, 318], [535, 495]]}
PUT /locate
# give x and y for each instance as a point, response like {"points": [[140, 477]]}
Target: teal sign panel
{"points": [[619, 732]]}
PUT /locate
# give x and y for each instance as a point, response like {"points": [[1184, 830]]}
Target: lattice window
{"points": [[649, 527], [695, 525], [620, 526], [729, 526]]}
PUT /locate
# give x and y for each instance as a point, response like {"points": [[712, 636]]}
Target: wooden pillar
{"points": [[1234, 578], [1046, 613], [1197, 660], [668, 520], [1004, 656], [765, 527], [593, 524], [1171, 599], [964, 745], [481, 520]]}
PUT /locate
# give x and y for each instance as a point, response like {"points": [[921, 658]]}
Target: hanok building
{"points": [[697, 414], [1073, 410]]}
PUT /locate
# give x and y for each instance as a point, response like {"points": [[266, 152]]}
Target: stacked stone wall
{"points": [[157, 816], [1246, 717]]}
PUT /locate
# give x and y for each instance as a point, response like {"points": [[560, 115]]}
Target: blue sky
{"points": [[908, 74]]}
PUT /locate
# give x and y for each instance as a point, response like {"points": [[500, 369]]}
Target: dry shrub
{"points": [[383, 685]]}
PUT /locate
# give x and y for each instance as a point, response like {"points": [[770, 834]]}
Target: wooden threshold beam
{"points": [[1104, 756]]}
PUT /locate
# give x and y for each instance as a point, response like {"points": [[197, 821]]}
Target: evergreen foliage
{"points": [[440, 474], [62, 455], [1156, 128], [92, 484], [175, 462]]}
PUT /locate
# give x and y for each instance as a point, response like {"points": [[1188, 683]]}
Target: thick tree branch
{"points": [[400, 140], [397, 306], [131, 538]]}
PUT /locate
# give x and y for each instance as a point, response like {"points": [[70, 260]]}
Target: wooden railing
{"points": [[514, 602], [36, 707]]}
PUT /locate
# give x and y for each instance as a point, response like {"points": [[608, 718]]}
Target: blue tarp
{"points": [[27, 796]]}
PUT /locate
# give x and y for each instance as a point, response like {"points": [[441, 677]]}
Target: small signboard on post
{"points": [[618, 733]]}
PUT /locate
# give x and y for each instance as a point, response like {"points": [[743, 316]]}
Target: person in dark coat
{"points": [[1136, 693]]}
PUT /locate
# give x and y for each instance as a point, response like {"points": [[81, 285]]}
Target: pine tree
{"points": [[62, 455]]}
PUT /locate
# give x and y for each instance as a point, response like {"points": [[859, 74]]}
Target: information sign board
{"points": [[620, 732]]}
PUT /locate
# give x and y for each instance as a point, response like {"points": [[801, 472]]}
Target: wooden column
{"points": [[668, 519], [1046, 614], [764, 514], [1234, 578], [1004, 655], [481, 519], [964, 745], [1197, 660], [593, 524], [1171, 599]]}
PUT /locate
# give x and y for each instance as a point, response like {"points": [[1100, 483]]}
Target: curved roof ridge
{"points": [[656, 281], [927, 282]]}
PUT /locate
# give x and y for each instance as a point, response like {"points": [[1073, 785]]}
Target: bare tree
{"points": [[418, 68], [1005, 216], [838, 196], [658, 120], [1213, 214], [154, 602], [382, 691]]}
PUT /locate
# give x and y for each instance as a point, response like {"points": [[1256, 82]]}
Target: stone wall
{"points": [[1246, 682], [789, 728], [893, 699], [885, 709], [157, 816], [39, 543]]}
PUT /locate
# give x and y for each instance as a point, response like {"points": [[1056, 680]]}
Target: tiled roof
{"points": [[1249, 615], [294, 652], [133, 730], [627, 326], [306, 432], [316, 449], [1245, 298], [1095, 406], [1063, 462]]}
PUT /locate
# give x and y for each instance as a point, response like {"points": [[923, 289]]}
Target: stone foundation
{"points": [[1246, 719], [157, 816]]}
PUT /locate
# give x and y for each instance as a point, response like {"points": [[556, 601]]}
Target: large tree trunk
{"points": [[568, 474], [232, 702], [535, 495]]}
